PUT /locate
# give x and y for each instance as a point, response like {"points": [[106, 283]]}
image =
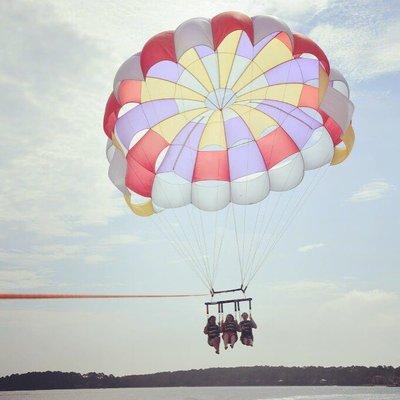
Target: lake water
{"points": [[219, 393]]}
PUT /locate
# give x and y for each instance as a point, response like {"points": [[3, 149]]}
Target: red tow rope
{"points": [[51, 296]]}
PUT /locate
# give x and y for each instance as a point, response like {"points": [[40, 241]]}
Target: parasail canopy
{"points": [[218, 115]]}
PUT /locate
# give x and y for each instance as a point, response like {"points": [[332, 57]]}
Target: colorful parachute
{"points": [[222, 112]]}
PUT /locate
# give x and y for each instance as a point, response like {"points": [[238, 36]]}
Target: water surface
{"points": [[215, 393]]}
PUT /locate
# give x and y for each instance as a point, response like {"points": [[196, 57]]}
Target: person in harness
{"points": [[229, 331], [246, 328], [213, 331]]}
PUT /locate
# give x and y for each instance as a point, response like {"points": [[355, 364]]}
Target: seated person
{"points": [[246, 327], [229, 331], [213, 331]]}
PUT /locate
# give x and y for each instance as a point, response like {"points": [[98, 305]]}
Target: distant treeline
{"points": [[239, 376]]}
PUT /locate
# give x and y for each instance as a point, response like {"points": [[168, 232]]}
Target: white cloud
{"points": [[54, 172], [120, 240], [40, 255], [338, 297], [306, 287], [95, 259], [371, 191], [370, 296], [90, 250], [292, 12], [310, 247], [361, 51], [11, 279], [376, 301]]}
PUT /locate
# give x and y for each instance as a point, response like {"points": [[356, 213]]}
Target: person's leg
{"points": [[225, 338], [216, 343], [233, 339]]}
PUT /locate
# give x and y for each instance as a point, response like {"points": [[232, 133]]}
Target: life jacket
{"points": [[247, 328], [213, 331], [230, 326]]}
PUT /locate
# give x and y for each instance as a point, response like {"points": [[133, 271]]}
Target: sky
{"points": [[330, 292]]}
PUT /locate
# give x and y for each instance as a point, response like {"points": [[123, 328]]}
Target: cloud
{"points": [[40, 254], [374, 190], [306, 287], [375, 301], [121, 240], [11, 279], [362, 51], [342, 298], [370, 296], [295, 13], [92, 251], [95, 259], [310, 247], [54, 174]]}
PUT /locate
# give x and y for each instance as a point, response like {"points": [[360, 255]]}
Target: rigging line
{"points": [[191, 263], [242, 266], [256, 236], [194, 257], [168, 239], [198, 249], [173, 209], [258, 226], [216, 219], [264, 231], [237, 240], [294, 214], [156, 112], [249, 266], [196, 252], [301, 197], [216, 258], [205, 244], [243, 241], [187, 138], [80, 296], [221, 242], [285, 117], [179, 245], [274, 244], [197, 235], [275, 227], [214, 247], [184, 256], [250, 250], [187, 254], [181, 250], [301, 201], [245, 214], [254, 266], [176, 217], [201, 249]]}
